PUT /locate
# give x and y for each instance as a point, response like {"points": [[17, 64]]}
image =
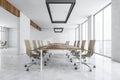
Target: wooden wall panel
{"points": [[9, 7], [35, 25]]}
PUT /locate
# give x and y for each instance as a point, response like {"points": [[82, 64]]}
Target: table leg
{"points": [[41, 60], [80, 60]]}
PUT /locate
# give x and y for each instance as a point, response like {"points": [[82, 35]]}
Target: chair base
{"points": [[34, 62], [86, 64]]}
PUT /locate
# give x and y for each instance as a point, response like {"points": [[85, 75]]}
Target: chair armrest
{"points": [[32, 50], [87, 50]]}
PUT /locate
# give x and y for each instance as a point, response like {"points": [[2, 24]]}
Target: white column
{"points": [[18, 36], [24, 31]]}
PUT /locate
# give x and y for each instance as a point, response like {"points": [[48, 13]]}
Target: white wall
{"points": [[116, 30], [8, 20], [4, 34], [12, 40], [68, 35], [24, 31], [49, 35], [34, 34]]}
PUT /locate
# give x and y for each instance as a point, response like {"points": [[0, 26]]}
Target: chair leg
{"points": [[29, 65], [33, 61], [70, 59], [90, 69], [94, 66], [50, 55], [84, 62]]}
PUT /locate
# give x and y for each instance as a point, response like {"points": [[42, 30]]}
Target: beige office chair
{"points": [[37, 49], [88, 54], [31, 54], [74, 52], [78, 44], [34, 45], [83, 45], [42, 45], [38, 42], [48, 42], [75, 44], [45, 52], [67, 42], [68, 55]]}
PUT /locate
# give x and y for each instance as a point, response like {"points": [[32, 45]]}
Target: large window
{"points": [[107, 31], [99, 32], [102, 21], [77, 33], [85, 32]]}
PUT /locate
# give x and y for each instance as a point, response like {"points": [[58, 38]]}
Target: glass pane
{"points": [[80, 33], [99, 32], [92, 31], [107, 31], [85, 33], [103, 32], [76, 34]]}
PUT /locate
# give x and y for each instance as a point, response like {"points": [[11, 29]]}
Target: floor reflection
{"points": [[58, 68]]}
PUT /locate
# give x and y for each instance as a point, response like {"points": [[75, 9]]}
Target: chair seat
{"points": [[77, 54], [35, 55]]}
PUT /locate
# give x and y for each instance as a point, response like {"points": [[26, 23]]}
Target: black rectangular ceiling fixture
{"points": [[52, 4], [58, 30]]}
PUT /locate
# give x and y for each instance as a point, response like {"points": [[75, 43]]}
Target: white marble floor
{"points": [[58, 68]]}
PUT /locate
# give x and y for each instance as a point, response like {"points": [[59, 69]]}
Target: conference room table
{"points": [[58, 46]]}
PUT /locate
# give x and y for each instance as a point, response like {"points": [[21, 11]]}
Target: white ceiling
{"points": [[37, 11]]}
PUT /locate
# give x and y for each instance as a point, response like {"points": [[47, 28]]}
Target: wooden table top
{"points": [[59, 46]]}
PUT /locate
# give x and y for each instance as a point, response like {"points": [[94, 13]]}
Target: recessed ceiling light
{"points": [[60, 10], [58, 30]]}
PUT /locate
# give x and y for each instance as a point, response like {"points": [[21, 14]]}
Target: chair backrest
{"points": [[28, 48], [75, 44], [78, 44], [67, 42], [83, 45], [38, 43], [5, 42], [48, 42], [34, 45], [42, 43], [91, 48]]}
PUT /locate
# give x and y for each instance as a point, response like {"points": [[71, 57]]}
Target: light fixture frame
{"points": [[58, 31], [72, 2]]}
